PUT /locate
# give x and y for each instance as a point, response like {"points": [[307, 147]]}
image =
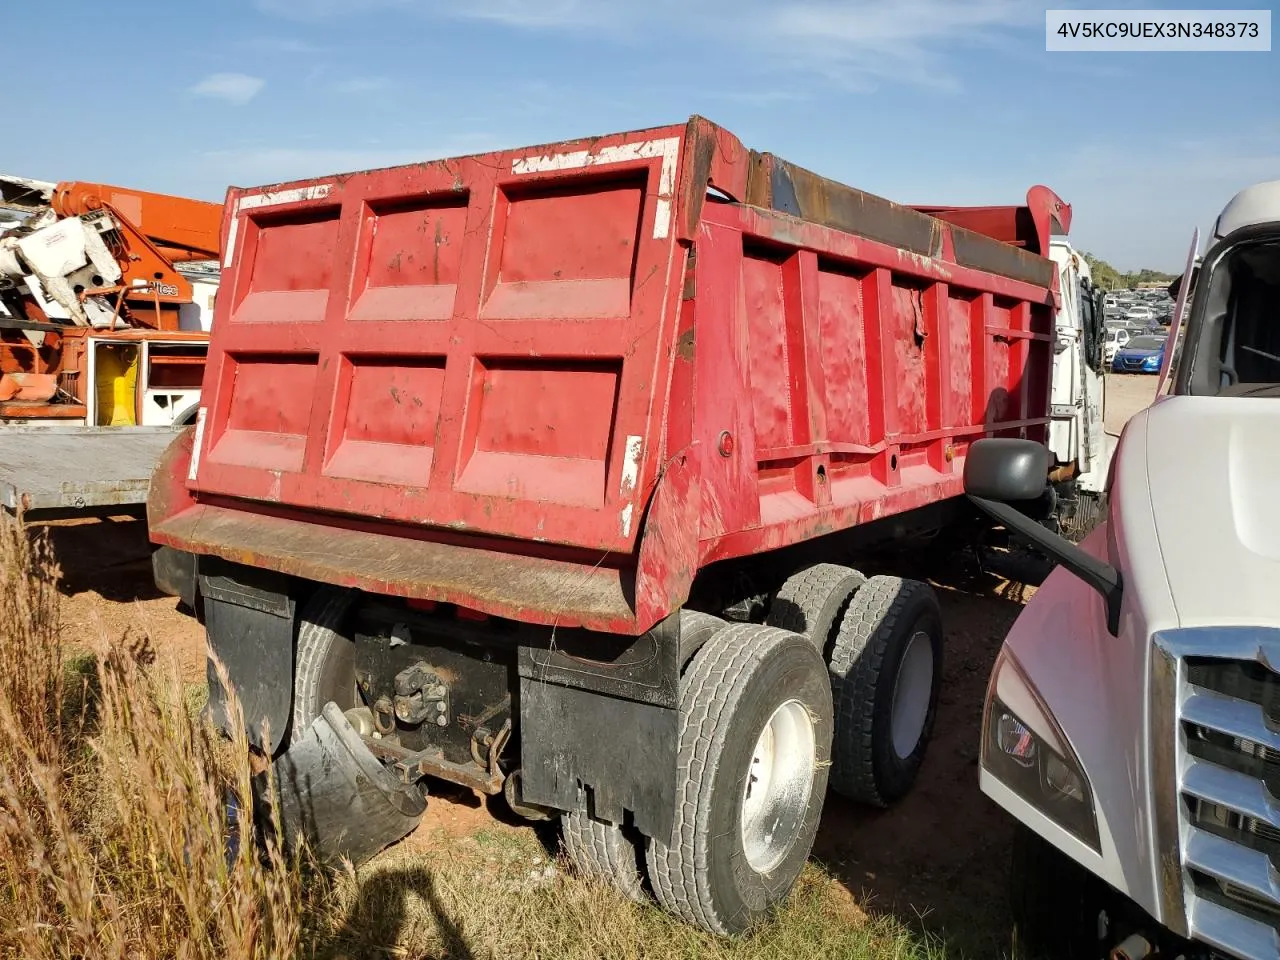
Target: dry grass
{"points": [[113, 825], [114, 841], [498, 895]]}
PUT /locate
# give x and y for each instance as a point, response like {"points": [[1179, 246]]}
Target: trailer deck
{"points": [[47, 469]]}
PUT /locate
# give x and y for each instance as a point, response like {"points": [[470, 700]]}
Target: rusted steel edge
{"points": [[777, 184], [537, 590], [1030, 226], [835, 244], [435, 765], [531, 589]]}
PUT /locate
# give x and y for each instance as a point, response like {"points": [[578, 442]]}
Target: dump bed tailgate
{"points": [[452, 343]]}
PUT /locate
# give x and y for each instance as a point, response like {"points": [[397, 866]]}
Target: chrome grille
{"points": [[1227, 764], [1245, 896]]}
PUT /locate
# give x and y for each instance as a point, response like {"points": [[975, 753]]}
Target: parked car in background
{"points": [[1117, 337], [1140, 313], [1140, 355]]}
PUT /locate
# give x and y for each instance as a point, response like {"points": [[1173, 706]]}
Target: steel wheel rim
{"points": [[912, 691], [779, 782]]}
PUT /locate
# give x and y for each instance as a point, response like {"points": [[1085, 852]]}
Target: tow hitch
{"points": [[336, 796]]}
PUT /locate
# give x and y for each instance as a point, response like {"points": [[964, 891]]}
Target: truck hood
{"points": [[1213, 467]]}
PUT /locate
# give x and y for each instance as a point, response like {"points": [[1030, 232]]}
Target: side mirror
{"points": [[999, 471], [1001, 468]]}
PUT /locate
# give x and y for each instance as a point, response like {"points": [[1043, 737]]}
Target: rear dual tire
{"points": [[886, 675], [754, 743], [882, 639], [607, 852], [813, 602], [325, 659], [614, 853], [755, 736]]}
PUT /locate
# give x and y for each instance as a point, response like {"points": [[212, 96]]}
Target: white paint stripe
{"points": [[624, 519], [231, 238], [666, 189], [631, 465], [668, 149], [196, 444], [317, 191]]}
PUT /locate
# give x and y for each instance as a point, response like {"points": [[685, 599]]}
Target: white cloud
{"points": [[317, 9], [237, 88], [548, 13], [857, 43], [862, 44]]}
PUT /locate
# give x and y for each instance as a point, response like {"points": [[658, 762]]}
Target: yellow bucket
{"points": [[116, 373]]}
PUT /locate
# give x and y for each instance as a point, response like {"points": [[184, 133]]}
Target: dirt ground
{"points": [[936, 860], [1126, 395]]}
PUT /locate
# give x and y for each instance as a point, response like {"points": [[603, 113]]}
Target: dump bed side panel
{"points": [[865, 370], [476, 344]]}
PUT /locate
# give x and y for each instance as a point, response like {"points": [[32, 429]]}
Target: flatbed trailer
{"points": [[50, 470], [478, 433]]}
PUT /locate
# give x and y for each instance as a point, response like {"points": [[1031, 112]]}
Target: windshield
{"points": [[1145, 343], [1236, 324]]}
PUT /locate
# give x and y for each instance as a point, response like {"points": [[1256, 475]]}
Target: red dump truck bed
{"points": [[553, 383]]}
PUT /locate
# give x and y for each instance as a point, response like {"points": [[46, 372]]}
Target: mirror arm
{"points": [[1101, 576]]}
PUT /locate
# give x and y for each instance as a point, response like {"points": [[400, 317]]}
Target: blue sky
{"points": [[922, 101]]}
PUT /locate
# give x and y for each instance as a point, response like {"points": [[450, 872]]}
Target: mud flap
{"points": [[585, 686], [336, 797]]}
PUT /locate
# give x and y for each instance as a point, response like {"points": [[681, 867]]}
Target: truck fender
{"points": [[173, 569], [168, 494]]}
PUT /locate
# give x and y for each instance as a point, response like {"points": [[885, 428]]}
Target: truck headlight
{"points": [[1024, 749]]}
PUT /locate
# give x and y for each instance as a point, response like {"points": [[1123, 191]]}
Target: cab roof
{"points": [[1253, 205]]}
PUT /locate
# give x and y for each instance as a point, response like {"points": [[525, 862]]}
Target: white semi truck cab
{"points": [[1132, 721], [1079, 445]]}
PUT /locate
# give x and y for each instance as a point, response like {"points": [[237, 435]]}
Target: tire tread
{"points": [[710, 692], [857, 659], [318, 625], [807, 596], [604, 852]]}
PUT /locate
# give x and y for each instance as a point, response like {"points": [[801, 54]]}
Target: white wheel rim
{"points": [[779, 782], [912, 691]]}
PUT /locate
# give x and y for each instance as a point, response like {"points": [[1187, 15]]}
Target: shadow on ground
{"points": [[384, 908], [110, 556]]}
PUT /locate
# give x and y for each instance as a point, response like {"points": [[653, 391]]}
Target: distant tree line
{"points": [[1109, 278]]}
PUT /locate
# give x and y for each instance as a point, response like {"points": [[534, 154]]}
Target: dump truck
{"points": [[546, 471], [1130, 724], [106, 298]]}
